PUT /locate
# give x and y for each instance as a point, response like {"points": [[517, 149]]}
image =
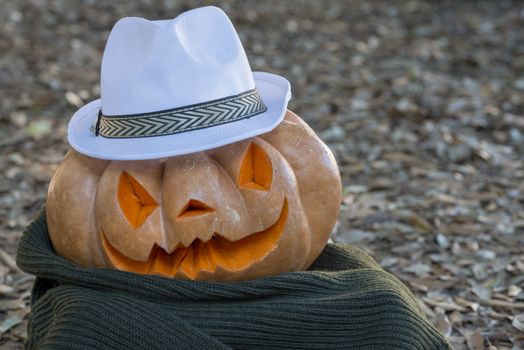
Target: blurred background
{"points": [[421, 101]]}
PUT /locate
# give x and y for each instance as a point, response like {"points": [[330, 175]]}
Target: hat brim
{"points": [[274, 90]]}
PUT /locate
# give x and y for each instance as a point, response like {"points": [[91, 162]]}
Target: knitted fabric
{"points": [[344, 301]]}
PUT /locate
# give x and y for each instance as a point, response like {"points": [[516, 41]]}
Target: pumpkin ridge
{"points": [[163, 218], [238, 192], [95, 217], [299, 197]]}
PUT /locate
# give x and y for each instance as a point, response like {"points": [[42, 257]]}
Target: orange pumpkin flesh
{"points": [[254, 208], [135, 201], [203, 256], [194, 208], [256, 171]]}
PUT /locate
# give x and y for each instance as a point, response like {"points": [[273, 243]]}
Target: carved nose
{"points": [[195, 207]]}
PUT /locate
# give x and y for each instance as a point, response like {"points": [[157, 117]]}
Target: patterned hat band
{"points": [[182, 119]]}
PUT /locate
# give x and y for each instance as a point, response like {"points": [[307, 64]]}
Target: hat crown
{"points": [[151, 66]]}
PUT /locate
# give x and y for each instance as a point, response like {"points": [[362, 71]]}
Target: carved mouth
{"points": [[203, 256]]}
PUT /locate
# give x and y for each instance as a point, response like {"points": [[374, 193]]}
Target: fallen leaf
{"points": [[73, 99], [483, 292], [448, 306], [475, 341], [505, 304], [442, 323], [6, 290], [421, 223], [9, 323], [418, 269], [518, 322], [37, 129], [8, 260]]}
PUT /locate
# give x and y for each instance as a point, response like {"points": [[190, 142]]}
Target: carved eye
{"points": [[256, 171], [134, 200]]}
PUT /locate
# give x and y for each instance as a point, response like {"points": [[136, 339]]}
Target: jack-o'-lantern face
{"points": [[253, 208], [222, 209]]}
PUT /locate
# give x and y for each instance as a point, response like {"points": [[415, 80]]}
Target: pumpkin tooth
{"points": [[203, 260], [216, 254], [188, 264], [210, 257], [179, 255], [196, 257], [163, 263]]}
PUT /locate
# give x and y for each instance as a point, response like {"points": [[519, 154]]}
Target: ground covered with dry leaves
{"points": [[422, 103]]}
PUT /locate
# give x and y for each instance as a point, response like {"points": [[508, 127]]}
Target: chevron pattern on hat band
{"points": [[182, 119]]}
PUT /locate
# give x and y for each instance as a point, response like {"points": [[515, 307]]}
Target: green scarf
{"points": [[345, 301]]}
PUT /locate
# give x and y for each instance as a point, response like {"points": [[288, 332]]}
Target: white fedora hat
{"points": [[174, 87]]}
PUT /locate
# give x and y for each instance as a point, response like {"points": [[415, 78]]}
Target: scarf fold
{"points": [[344, 301]]}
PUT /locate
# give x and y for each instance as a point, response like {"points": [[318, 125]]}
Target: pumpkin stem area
{"points": [[134, 200], [187, 262], [256, 171]]}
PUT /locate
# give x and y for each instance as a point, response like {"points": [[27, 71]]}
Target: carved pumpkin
{"points": [[254, 208]]}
